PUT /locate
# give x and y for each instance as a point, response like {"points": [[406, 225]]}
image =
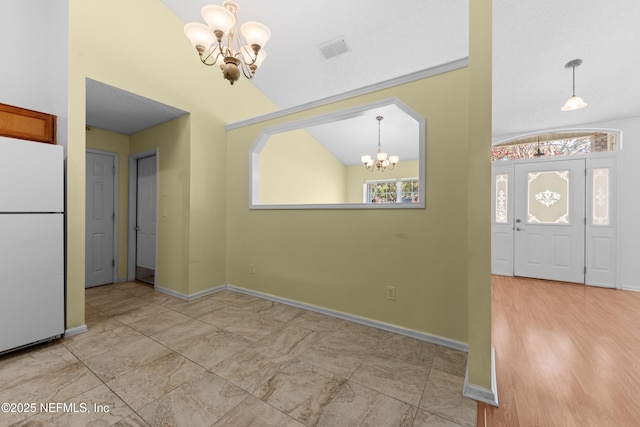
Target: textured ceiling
{"points": [[533, 40], [531, 43]]}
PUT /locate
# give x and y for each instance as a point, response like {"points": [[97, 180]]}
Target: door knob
{"points": [[137, 228], [519, 229]]}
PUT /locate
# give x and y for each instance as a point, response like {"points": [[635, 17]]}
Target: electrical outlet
{"points": [[252, 269], [391, 293]]}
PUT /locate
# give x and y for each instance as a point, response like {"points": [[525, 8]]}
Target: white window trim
{"points": [[365, 193]]}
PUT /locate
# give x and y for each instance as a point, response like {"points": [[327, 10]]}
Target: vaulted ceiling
{"points": [[532, 41]]}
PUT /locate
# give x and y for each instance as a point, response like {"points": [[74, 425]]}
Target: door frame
{"points": [[116, 206], [593, 160], [133, 211]]}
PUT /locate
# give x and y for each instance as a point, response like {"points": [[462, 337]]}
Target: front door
{"points": [[550, 220], [99, 217]]}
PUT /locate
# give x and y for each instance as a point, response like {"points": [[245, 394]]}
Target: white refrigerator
{"points": [[32, 285]]}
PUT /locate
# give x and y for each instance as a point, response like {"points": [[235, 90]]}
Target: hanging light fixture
{"points": [[575, 102], [538, 152], [219, 43], [382, 163]]}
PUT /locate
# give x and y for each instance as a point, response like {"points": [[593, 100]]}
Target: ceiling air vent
{"points": [[333, 48]]}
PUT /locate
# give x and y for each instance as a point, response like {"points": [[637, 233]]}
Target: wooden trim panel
{"points": [[16, 122]]}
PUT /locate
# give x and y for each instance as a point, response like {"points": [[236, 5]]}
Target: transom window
{"points": [[392, 191], [556, 144]]}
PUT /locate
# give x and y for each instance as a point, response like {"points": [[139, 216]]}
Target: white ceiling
{"points": [[385, 41], [120, 111], [533, 40], [388, 39]]}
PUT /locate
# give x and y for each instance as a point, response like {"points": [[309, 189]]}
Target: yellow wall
{"points": [[117, 143], [344, 259], [296, 169], [478, 167], [172, 141], [357, 175], [169, 139], [340, 259], [140, 47]]}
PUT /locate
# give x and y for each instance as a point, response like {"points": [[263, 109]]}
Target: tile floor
{"points": [[230, 359]]}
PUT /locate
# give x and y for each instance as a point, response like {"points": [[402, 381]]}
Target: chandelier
{"points": [[382, 163], [219, 43]]}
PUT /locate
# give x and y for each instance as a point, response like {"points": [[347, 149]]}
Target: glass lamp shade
{"points": [[218, 18], [248, 55], [394, 159], [262, 55], [574, 103], [199, 35], [382, 156], [365, 159], [255, 33]]}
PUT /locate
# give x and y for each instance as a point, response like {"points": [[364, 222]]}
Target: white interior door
{"points": [[550, 220], [146, 219], [100, 217]]}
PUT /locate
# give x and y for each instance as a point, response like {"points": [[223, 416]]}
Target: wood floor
{"points": [[566, 355]]}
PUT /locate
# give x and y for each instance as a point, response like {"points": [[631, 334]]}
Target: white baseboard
{"points": [[208, 291], [482, 394], [423, 336], [76, 330], [191, 296], [471, 391]]}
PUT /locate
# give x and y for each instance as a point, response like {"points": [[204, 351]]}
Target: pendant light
{"points": [[575, 102], [539, 152]]}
